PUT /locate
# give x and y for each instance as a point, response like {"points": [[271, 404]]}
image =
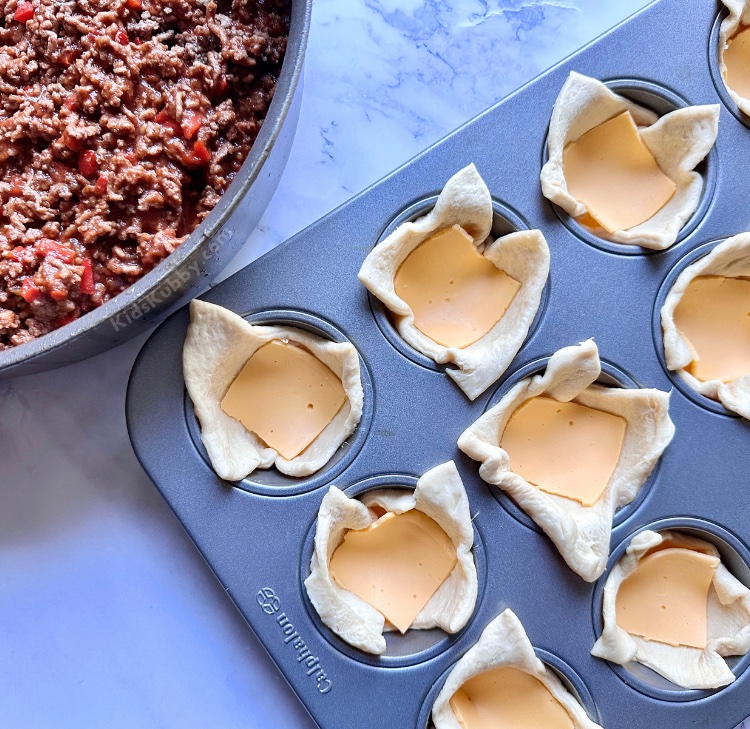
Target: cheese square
{"points": [[286, 396]]}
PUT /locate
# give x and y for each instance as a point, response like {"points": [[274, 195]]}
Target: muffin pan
{"points": [[256, 534]]}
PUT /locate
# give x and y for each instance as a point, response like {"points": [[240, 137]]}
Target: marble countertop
{"points": [[108, 615]]}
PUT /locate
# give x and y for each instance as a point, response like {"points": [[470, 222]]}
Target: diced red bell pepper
{"points": [[222, 85], [47, 247], [58, 294], [198, 156], [68, 56], [63, 320], [30, 292], [165, 120], [72, 143], [173, 125], [24, 12], [100, 188], [87, 278], [201, 152], [122, 38], [191, 124], [134, 4], [16, 187], [71, 103], [87, 164], [17, 254]]}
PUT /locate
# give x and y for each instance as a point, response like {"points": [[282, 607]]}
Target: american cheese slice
{"points": [[564, 448], [666, 598], [612, 172], [737, 62], [714, 317], [457, 295], [588, 222], [508, 698], [396, 564], [286, 396]]}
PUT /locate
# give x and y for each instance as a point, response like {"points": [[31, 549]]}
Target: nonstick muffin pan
{"points": [[257, 534]]}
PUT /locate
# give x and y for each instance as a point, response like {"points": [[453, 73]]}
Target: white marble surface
{"points": [[108, 616]]}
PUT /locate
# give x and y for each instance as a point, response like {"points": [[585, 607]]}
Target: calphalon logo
{"points": [[268, 601], [270, 604]]}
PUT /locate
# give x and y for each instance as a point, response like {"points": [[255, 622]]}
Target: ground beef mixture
{"points": [[121, 124]]}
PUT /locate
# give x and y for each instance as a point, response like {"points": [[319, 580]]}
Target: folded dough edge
{"points": [[691, 668], [523, 255], [504, 643], [439, 494], [739, 15], [678, 141], [731, 258], [580, 533], [217, 346]]}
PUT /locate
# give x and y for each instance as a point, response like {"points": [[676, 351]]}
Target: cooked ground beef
{"points": [[121, 124]]}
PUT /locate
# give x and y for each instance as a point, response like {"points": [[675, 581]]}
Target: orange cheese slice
{"points": [[737, 62], [588, 222], [508, 698], [457, 295], [286, 396], [612, 172], [563, 448], [396, 564], [666, 598], [714, 317]]}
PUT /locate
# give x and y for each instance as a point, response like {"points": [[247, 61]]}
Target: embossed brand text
{"points": [[271, 605]]}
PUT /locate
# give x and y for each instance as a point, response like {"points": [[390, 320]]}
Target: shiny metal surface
{"points": [[256, 534]]}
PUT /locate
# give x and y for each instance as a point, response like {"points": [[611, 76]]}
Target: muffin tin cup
{"points": [[260, 545], [270, 481], [661, 100], [612, 376], [569, 677], [415, 646], [505, 220], [735, 556], [689, 258]]}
